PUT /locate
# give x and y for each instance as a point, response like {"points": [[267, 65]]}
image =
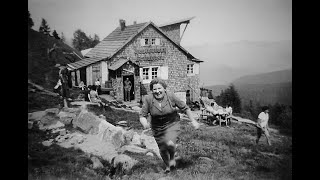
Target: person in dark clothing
{"points": [[165, 125], [63, 76], [127, 89]]}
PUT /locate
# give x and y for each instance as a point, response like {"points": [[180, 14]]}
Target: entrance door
{"points": [[131, 79]]}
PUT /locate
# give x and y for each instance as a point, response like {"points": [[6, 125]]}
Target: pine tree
{"points": [[30, 21], [55, 34], [44, 27], [80, 40], [95, 41], [230, 96]]}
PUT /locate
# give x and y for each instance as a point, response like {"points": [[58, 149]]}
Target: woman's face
{"points": [[158, 91]]}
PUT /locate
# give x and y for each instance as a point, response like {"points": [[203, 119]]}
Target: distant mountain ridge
{"points": [[265, 88], [224, 62], [283, 76]]}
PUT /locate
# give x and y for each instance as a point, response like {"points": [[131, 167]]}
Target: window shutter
{"points": [[196, 68], [163, 72], [141, 78], [157, 41], [142, 42]]}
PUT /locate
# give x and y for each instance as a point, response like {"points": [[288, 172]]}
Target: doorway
{"points": [[131, 79]]}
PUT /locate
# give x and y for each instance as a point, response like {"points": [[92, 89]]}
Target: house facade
{"points": [[141, 52]]}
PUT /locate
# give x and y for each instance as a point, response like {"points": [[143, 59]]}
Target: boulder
{"points": [[128, 136], [136, 139], [150, 143], [49, 119], [110, 133], [66, 117], [96, 164], [134, 149], [57, 125], [125, 162], [87, 122], [117, 139], [52, 111], [150, 154], [36, 116], [63, 132], [71, 110], [47, 143]]}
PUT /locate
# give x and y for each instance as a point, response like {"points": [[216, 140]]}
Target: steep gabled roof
{"points": [[83, 62], [116, 40], [186, 20]]}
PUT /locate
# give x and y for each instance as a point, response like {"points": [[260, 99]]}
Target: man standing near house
{"points": [[63, 76], [98, 85], [127, 89]]}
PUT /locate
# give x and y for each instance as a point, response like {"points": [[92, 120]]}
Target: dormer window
{"points": [[150, 42], [190, 69], [153, 41], [146, 42]]}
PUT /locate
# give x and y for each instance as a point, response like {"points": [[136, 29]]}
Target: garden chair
{"points": [[223, 119]]}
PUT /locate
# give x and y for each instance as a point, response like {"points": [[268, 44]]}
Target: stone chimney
{"points": [[134, 22], [122, 24]]}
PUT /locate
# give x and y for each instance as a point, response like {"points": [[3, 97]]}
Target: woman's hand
{"points": [[144, 122]]}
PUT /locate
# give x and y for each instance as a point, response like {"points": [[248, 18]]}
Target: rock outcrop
{"points": [[93, 135]]}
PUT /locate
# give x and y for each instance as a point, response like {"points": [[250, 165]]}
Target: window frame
{"points": [[149, 72], [153, 41], [150, 42], [190, 69], [146, 74]]}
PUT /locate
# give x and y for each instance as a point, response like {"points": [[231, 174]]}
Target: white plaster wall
{"points": [[104, 72], [89, 75]]}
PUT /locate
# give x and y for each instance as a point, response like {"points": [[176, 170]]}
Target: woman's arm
{"points": [[144, 122], [143, 114], [183, 106]]}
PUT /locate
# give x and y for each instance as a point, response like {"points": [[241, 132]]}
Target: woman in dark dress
{"points": [[162, 106]]}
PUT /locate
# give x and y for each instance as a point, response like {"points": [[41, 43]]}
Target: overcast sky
{"points": [[215, 20]]}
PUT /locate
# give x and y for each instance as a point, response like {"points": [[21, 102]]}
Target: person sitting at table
{"points": [[94, 97], [229, 113], [82, 85]]}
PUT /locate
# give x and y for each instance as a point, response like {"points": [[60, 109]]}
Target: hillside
{"points": [[211, 152], [275, 77], [41, 63], [266, 88]]}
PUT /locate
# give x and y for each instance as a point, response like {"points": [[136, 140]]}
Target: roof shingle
{"points": [[115, 40]]}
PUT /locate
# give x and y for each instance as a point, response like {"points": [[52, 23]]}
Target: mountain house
{"points": [[141, 52]]}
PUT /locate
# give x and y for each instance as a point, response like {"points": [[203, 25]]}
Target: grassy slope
{"points": [[232, 151], [41, 68]]}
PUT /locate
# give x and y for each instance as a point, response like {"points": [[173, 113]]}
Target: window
{"points": [[150, 41], [154, 72], [149, 73], [153, 41], [145, 73], [190, 69], [146, 42]]}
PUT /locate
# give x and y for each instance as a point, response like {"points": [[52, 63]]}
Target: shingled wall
{"points": [[174, 58]]}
